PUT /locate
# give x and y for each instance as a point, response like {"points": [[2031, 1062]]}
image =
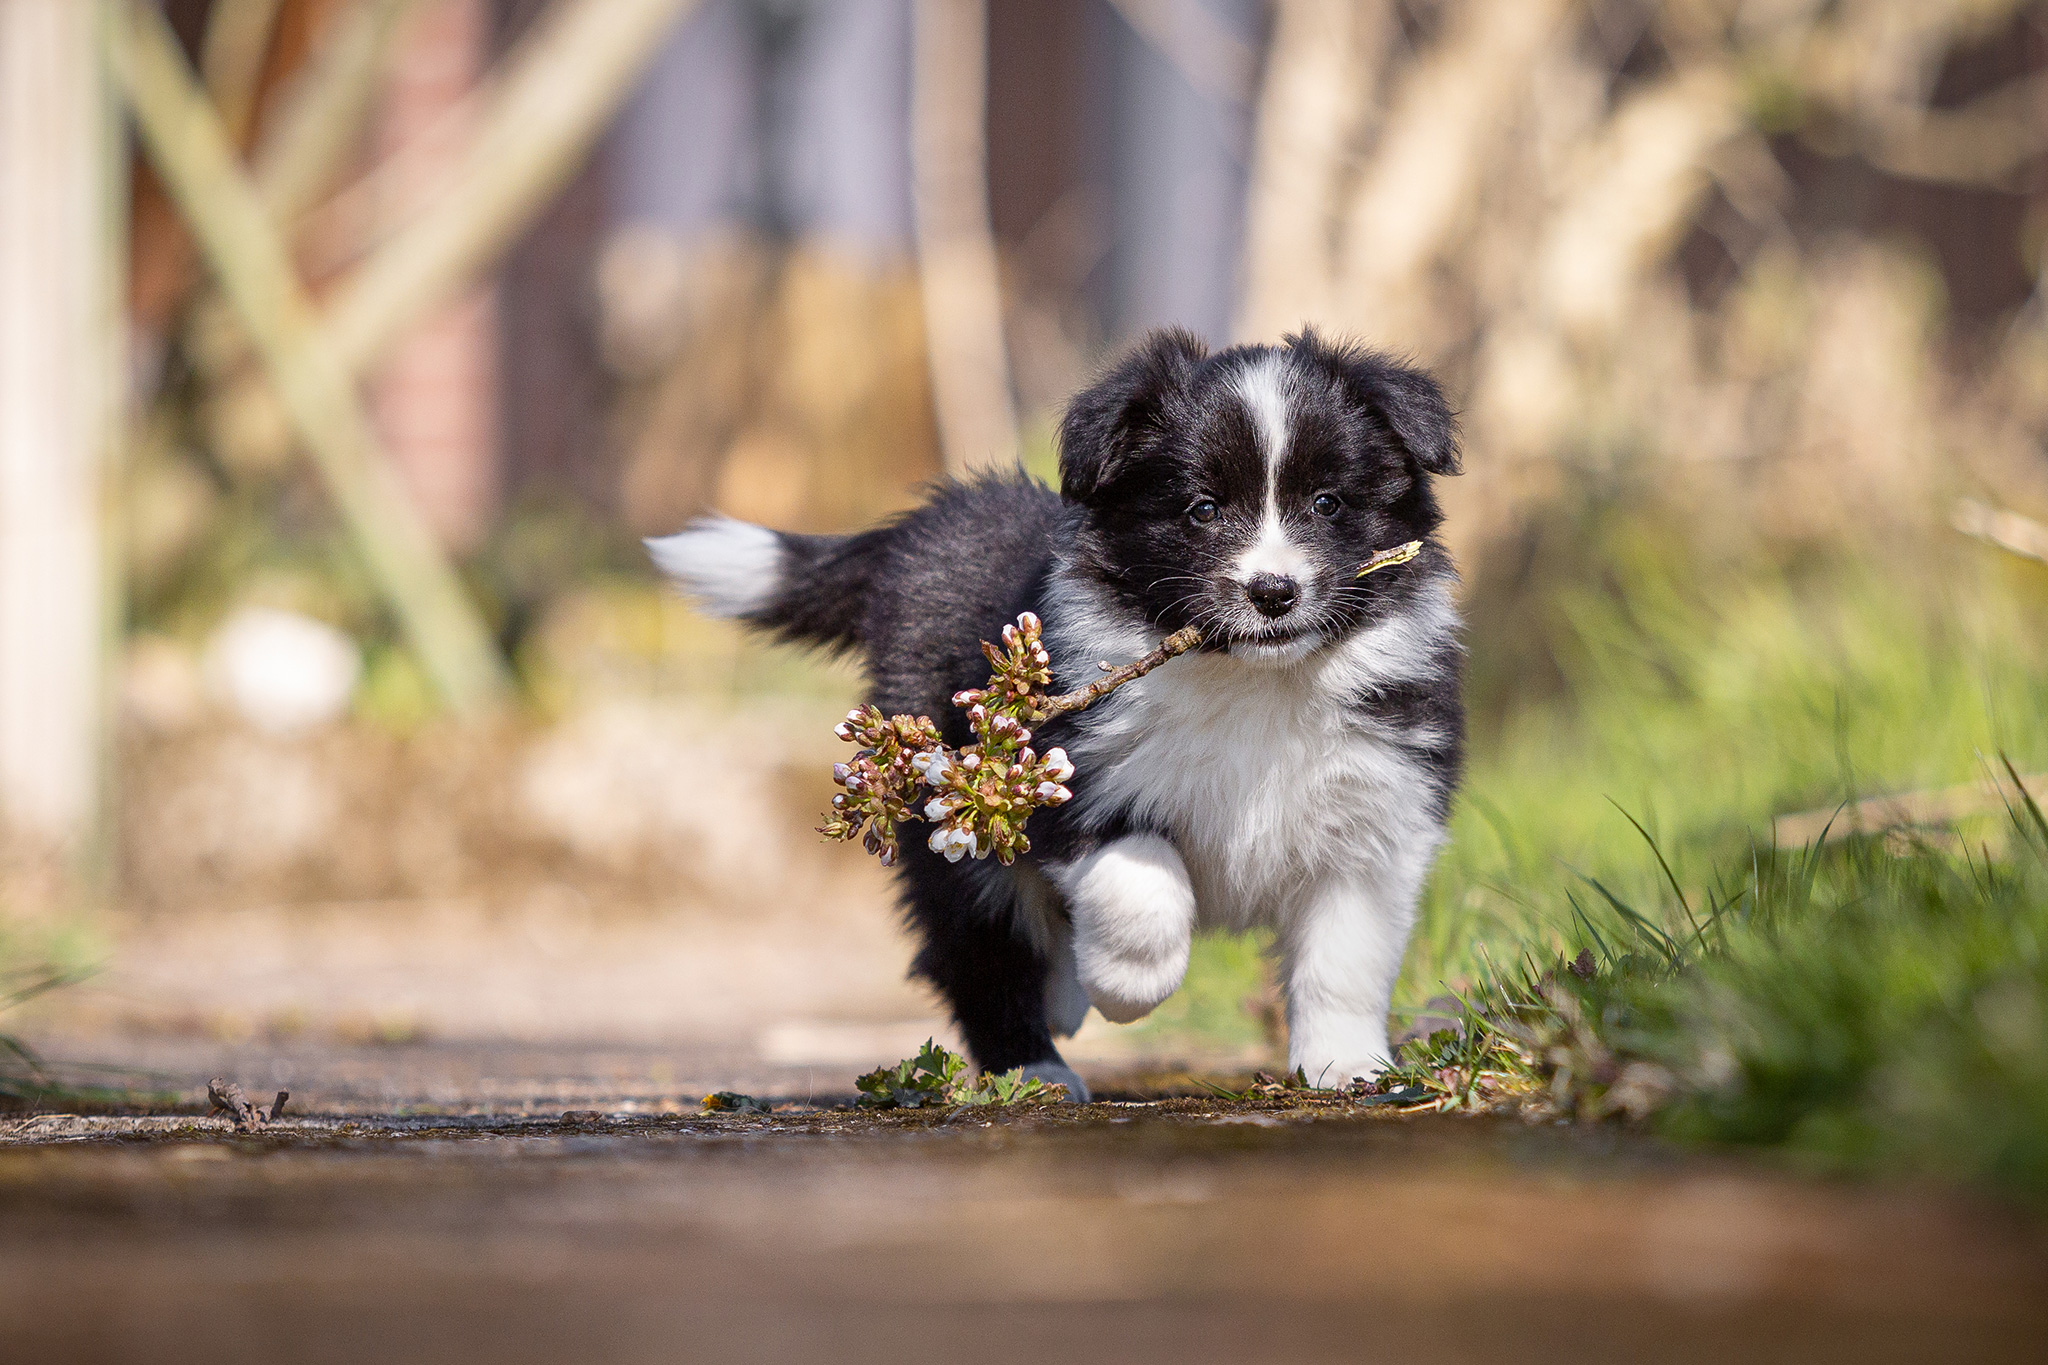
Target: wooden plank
{"points": [[1933, 809]]}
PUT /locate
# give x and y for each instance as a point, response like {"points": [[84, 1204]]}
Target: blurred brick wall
{"points": [[436, 399]]}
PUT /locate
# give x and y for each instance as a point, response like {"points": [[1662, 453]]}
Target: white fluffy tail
{"points": [[732, 568]]}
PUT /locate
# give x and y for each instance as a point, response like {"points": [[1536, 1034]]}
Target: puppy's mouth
{"points": [[1278, 645]]}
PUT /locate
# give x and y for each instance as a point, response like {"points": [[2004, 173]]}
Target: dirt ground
{"points": [[566, 1199], [1176, 1230]]}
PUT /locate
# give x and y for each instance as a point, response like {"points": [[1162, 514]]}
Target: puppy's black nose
{"points": [[1273, 594]]}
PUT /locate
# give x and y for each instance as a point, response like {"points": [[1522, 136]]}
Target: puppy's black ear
{"points": [[1113, 419], [1408, 400]]}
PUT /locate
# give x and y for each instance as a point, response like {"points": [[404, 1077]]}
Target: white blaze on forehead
{"points": [[1265, 392], [1262, 387]]}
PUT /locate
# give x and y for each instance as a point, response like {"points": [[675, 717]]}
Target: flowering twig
{"points": [[978, 798]]}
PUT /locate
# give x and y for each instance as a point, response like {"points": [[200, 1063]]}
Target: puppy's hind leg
{"points": [[985, 961]]}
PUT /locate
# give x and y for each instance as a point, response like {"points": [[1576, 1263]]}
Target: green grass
{"points": [[1702, 714], [1863, 1007]]}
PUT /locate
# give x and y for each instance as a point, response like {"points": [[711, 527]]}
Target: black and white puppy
{"points": [[1294, 773]]}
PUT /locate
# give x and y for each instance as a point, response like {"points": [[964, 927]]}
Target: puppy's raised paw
{"points": [[1134, 920]]}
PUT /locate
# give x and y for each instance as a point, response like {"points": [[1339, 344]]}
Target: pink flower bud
{"points": [[1029, 620], [839, 771], [1057, 765]]}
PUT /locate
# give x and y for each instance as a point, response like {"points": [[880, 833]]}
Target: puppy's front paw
{"points": [[1134, 918], [1332, 1067], [1334, 1075]]}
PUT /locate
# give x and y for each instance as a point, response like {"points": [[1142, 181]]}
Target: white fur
{"points": [[1278, 653], [1134, 919], [1263, 389], [732, 568], [1340, 957], [1289, 808]]}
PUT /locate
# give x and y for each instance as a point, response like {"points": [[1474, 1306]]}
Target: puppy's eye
{"points": [[1203, 512], [1326, 505]]}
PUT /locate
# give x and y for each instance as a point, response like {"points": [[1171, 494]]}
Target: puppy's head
{"points": [[1241, 491]]}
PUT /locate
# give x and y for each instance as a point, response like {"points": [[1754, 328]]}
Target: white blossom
{"points": [[1057, 766], [955, 844]]}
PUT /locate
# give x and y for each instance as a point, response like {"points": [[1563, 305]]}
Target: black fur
{"points": [[1162, 432]]}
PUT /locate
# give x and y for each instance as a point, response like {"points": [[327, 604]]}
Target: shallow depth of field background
{"points": [[1742, 302]]}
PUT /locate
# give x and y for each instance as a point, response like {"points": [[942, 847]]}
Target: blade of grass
{"points": [[1669, 875], [2026, 797], [1656, 936], [1585, 919]]}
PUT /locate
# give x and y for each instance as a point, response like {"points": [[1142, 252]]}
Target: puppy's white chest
{"points": [[1266, 780]]}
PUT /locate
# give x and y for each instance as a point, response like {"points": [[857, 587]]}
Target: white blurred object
{"points": [[282, 671]]}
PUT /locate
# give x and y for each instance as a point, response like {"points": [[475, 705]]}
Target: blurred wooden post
{"points": [[60, 317], [961, 282]]}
